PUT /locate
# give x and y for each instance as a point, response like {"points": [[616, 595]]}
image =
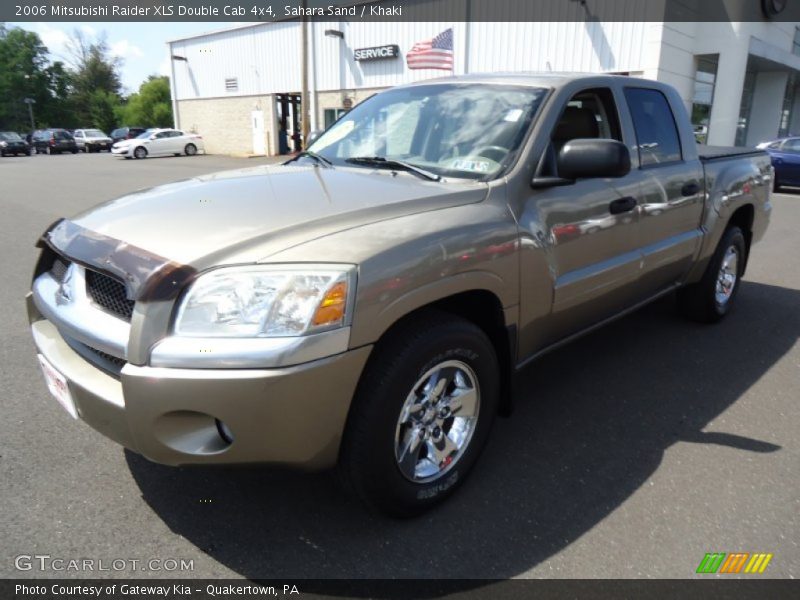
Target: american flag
{"points": [[436, 53]]}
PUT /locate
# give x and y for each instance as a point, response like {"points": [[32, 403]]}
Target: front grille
{"points": [[114, 360], [109, 294], [102, 360], [59, 269]]}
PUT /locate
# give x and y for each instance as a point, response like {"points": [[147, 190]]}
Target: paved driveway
{"points": [[632, 453]]}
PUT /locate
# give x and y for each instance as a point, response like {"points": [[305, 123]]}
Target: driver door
{"points": [[587, 233]]}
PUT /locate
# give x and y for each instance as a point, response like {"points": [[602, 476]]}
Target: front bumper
{"points": [[124, 151], [290, 416]]}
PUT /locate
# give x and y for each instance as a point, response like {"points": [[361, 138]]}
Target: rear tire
{"points": [[190, 149], [436, 364], [710, 299]]}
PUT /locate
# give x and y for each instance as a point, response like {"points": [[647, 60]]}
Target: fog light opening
{"points": [[224, 431]]}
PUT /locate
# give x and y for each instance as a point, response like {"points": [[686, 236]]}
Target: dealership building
{"points": [[240, 87]]}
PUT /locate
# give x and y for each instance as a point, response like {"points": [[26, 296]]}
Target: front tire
{"points": [[421, 416], [710, 299], [140, 152]]}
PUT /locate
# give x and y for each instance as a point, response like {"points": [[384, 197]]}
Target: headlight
{"points": [[266, 301], [3, 144]]}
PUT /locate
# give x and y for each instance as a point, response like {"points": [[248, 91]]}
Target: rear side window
{"points": [[656, 132], [792, 145]]}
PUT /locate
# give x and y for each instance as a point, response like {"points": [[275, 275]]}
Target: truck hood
{"points": [[246, 215]]}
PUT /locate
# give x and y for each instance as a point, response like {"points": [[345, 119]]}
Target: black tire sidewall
{"points": [[192, 153], [733, 236], [384, 484], [139, 153]]}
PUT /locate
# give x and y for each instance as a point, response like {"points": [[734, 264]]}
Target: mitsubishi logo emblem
{"points": [[64, 291]]}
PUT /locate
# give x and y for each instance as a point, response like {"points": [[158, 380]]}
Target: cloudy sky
{"points": [[141, 45]]}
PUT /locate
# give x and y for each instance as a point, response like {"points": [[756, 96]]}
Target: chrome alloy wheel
{"points": [[437, 421], [726, 278]]}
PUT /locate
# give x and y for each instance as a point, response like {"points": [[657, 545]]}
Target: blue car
{"points": [[785, 155]]}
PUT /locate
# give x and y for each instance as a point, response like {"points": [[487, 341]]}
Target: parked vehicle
{"points": [[12, 143], [92, 140], [126, 133], [53, 141], [369, 303], [785, 156], [160, 142]]}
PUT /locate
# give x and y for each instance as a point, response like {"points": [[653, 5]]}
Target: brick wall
{"points": [[225, 123]]}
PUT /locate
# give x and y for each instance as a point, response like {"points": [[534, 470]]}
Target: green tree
{"points": [[94, 81], [23, 74], [151, 106]]}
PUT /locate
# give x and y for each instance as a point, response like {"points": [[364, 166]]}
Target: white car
{"points": [[160, 142], [92, 140]]}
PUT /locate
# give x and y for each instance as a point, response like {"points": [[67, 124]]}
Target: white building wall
{"points": [[266, 58], [768, 97]]}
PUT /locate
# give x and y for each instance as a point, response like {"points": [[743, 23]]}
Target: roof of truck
{"points": [[532, 78]]}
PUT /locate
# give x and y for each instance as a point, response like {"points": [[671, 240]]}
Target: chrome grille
{"points": [[109, 294]]}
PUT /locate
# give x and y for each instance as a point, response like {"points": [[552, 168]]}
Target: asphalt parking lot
{"points": [[632, 452]]}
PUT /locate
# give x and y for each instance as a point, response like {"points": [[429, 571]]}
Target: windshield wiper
{"points": [[390, 163], [320, 160]]}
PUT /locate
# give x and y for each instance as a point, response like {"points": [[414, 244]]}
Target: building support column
{"points": [[728, 88], [768, 95]]}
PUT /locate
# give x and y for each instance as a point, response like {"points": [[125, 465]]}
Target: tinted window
{"points": [[656, 132], [62, 135], [10, 136], [792, 145]]}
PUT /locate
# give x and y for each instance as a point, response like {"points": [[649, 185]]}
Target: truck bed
{"points": [[707, 153]]}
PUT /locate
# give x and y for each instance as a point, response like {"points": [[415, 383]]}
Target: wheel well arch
{"points": [[484, 309], [743, 218]]}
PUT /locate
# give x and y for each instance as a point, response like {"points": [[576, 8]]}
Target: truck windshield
{"points": [[452, 130]]}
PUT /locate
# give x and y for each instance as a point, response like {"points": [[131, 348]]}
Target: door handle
{"points": [[622, 205], [690, 189]]}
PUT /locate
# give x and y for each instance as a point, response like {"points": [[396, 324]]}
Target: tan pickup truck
{"points": [[367, 304]]}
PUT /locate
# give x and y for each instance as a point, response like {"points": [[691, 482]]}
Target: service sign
{"points": [[377, 53]]}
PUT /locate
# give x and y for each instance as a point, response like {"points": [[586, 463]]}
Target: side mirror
{"points": [[152, 137], [587, 158], [312, 137], [584, 158]]}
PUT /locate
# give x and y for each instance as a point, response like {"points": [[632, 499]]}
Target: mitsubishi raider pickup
{"points": [[367, 304]]}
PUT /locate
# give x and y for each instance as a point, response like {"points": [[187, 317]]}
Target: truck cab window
{"points": [[656, 133], [588, 114]]}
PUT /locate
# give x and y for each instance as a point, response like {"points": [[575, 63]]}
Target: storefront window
{"points": [[744, 107], [788, 104], [704, 80]]}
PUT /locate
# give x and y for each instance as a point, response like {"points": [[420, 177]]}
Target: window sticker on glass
{"points": [[513, 115], [479, 166]]}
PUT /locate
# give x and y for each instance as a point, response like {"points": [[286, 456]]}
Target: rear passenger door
{"points": [[161, 143], [671, 196]]}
